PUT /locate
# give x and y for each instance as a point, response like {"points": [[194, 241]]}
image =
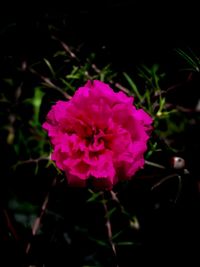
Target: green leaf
{"points": [[36, 102], [110, 212], [49, 67], [94, 196], [133, 86], [193, 62], [115, 236]]}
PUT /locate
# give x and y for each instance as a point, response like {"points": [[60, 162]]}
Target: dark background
{"points": [[124, 33], [131, 32]]}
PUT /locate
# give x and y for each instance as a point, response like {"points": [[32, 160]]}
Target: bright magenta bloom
{"points": [[98, 134]]}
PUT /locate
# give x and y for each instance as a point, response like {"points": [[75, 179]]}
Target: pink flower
{"points": [[98, 134]]}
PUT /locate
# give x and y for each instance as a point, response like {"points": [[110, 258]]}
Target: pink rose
{"points": [[98, 134]]}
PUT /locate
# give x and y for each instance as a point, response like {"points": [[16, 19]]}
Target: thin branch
{"points": [[133, 223], [66, 48], [10, 225], [165, 179], [28, 161], [168, 178], [94, 66], [153, 164], [48, 83], [122, 88], [187, 110], [37, 222], [109, 229]]}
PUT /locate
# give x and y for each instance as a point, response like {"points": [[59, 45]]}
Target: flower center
{"points": [[94, 136]]}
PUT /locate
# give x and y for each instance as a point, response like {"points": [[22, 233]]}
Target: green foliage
{"points": [[191, 59]]}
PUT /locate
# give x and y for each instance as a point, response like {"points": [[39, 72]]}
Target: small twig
{"points": [[122, 88], [10, 225], [94, 66], [173, 87], [133, 223], [186, 110], [165, 179], [117, 85], [28, 161], [116, 199], [109, 229], [37, 222], [66, 48], [179, 188], [48, 83]]}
